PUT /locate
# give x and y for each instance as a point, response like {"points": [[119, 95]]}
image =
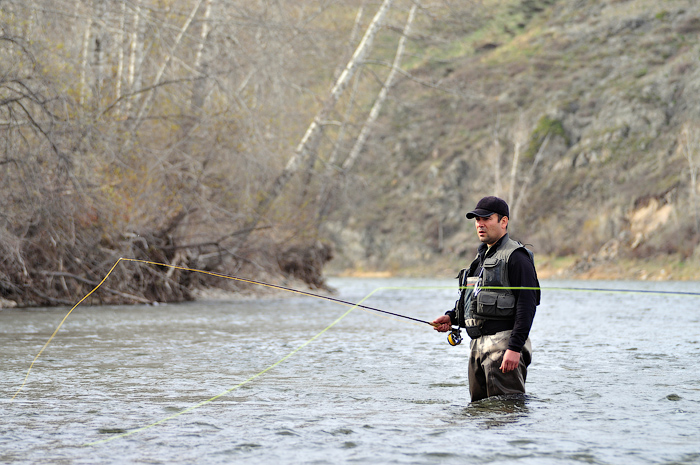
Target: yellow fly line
{"points": [[204, 402], [352, 306], [218, 275], [200, 404]]}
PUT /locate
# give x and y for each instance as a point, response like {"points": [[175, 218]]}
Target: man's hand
{"points": [[442, 323], [511, 359]]}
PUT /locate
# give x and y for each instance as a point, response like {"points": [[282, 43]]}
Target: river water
{"points": [[615, 379]]}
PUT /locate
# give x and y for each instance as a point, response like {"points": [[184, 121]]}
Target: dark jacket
{"points": [[521, 273]]}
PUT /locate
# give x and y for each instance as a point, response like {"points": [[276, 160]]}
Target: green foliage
{"points": [[641, 72], [486, 26], [662, 15], [545, 126]]}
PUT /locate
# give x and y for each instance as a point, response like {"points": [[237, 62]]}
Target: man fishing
{"points": [[498, 310]]}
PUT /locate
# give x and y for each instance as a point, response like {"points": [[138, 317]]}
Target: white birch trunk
{"points": [[200, 65], [204, 33], [134, 49], [520, 138], [528, 179], [497, 160], [340, 85], [328, 192], [313, 131], [332, 160], [120, 55], [84, 60], [100, 43], [145, 106], [381, 98], [514, 172], [690, 145]]}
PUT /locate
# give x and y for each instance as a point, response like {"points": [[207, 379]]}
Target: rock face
{"points": [[577, 121]]}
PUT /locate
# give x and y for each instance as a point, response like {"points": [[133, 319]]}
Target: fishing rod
{"points": [[454, 338], [332, 299], [210, 273], [259, 283]]}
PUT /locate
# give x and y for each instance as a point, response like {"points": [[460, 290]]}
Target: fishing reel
{"points": [[455, 337]]}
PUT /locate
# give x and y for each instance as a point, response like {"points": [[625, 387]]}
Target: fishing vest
{"points": [[495, 304]]}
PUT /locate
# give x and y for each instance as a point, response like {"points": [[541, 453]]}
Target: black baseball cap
{"points": [[488, 206]]}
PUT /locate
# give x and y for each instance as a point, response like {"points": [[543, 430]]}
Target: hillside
{"points": [[311, 138], [598, 101]]}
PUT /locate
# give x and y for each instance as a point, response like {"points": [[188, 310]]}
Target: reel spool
{"points": [[455, 337]]}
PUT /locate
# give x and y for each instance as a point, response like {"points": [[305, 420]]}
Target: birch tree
{"points": [[381, 98], [157, 80], [328, 190], [312, 133], [135, 53], [84, 64], [530, 175], [199, 69], [121, 34]]}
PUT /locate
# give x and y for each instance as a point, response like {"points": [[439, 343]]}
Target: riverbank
{"points": [[573, 267], [658, 269]]}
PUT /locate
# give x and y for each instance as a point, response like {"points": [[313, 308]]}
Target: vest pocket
{"points": [[492, 305], [493, 272]]}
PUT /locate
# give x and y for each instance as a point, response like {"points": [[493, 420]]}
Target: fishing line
{"points": [[200, 404], [309, 294], [219, 275], [61, 324], [595, 289], [288, 289], [290, 354], [336, 321]]}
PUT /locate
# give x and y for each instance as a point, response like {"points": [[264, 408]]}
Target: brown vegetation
{"points": [[237, 136], [165, 131]]}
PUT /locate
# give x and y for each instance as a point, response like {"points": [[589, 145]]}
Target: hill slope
{"points": [[587, 119]]}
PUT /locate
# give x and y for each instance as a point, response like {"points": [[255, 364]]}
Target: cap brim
{"points": [[480, 213]]}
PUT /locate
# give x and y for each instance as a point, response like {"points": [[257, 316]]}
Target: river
{"points": [[614, 380]]}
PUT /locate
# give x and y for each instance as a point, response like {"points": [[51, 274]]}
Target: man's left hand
{"points": [[511, 359]]}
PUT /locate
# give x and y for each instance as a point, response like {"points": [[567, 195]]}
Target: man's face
{"points": [[490, 229]]}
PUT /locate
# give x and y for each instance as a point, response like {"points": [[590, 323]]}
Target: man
{"points": [[501, 308]]}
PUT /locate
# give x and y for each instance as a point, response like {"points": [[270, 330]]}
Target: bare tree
{"points": [[157, 80], [494, 153], [87, 31], [327, 192], [161, 130], [381, 98], [310, 138]]}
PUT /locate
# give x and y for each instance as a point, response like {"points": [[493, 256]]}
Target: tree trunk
{"points": [[328, 191], [526, 182], [381, 98], [145, 106], [519, 139], [135, 55], [84, 58], [99, 45], [690, 145], [199, 80], [313, 132], [120, 54]]}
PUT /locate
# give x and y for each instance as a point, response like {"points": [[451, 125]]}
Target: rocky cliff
{"points": [[584, 115]]}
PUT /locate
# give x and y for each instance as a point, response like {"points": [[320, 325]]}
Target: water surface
{"points": [[614, 379]]}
